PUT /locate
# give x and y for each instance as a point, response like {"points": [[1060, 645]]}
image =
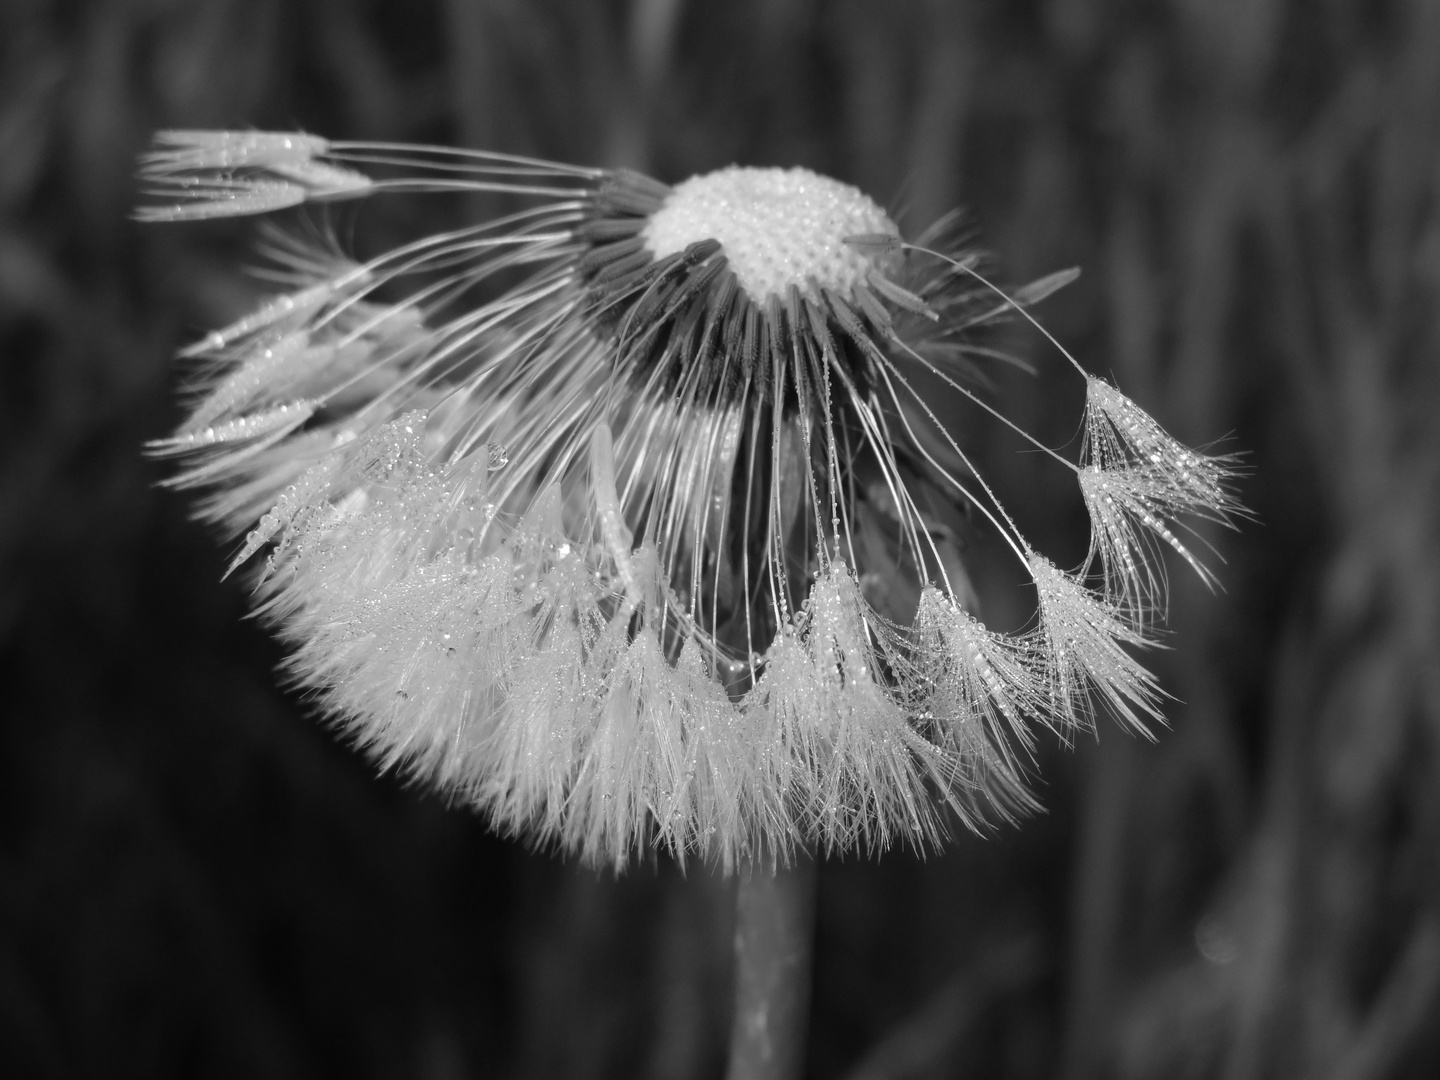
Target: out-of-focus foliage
{"points": [[194, 881]]}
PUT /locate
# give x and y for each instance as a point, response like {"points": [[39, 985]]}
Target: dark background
{"points": [[196, 880]]}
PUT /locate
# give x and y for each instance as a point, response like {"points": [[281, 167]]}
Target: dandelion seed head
{"points": [[623, 519], [777, 227]]}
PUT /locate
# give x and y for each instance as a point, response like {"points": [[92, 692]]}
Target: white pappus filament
{"points": [[628, 525]]}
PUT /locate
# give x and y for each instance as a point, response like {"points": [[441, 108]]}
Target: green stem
{"points": [[774, 930]]}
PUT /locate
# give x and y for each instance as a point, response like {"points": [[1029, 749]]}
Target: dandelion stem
{"points": [[774, 927]]}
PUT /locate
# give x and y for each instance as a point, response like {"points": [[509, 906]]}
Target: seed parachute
{"points": [[623, 517]]}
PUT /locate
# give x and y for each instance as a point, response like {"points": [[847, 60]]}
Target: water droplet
{"points": [[1215, 941]]}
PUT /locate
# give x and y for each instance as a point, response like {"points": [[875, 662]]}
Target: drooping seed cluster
{"points": [[655, 548]]}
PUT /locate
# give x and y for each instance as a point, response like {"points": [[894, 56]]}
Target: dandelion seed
{"points": [[1137, 482], [290, 306], [289, 415], [220, 151], [981, 685], [1082, 648], [649, 548], [223, 197], [223, 173]]}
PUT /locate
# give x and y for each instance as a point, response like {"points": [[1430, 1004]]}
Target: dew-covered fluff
{"points": [[630, 518]]}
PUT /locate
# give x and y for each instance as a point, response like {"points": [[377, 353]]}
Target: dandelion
{"points": [[623, 517]]}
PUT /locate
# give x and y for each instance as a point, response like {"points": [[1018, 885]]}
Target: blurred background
{"points": [[197, 880]]}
